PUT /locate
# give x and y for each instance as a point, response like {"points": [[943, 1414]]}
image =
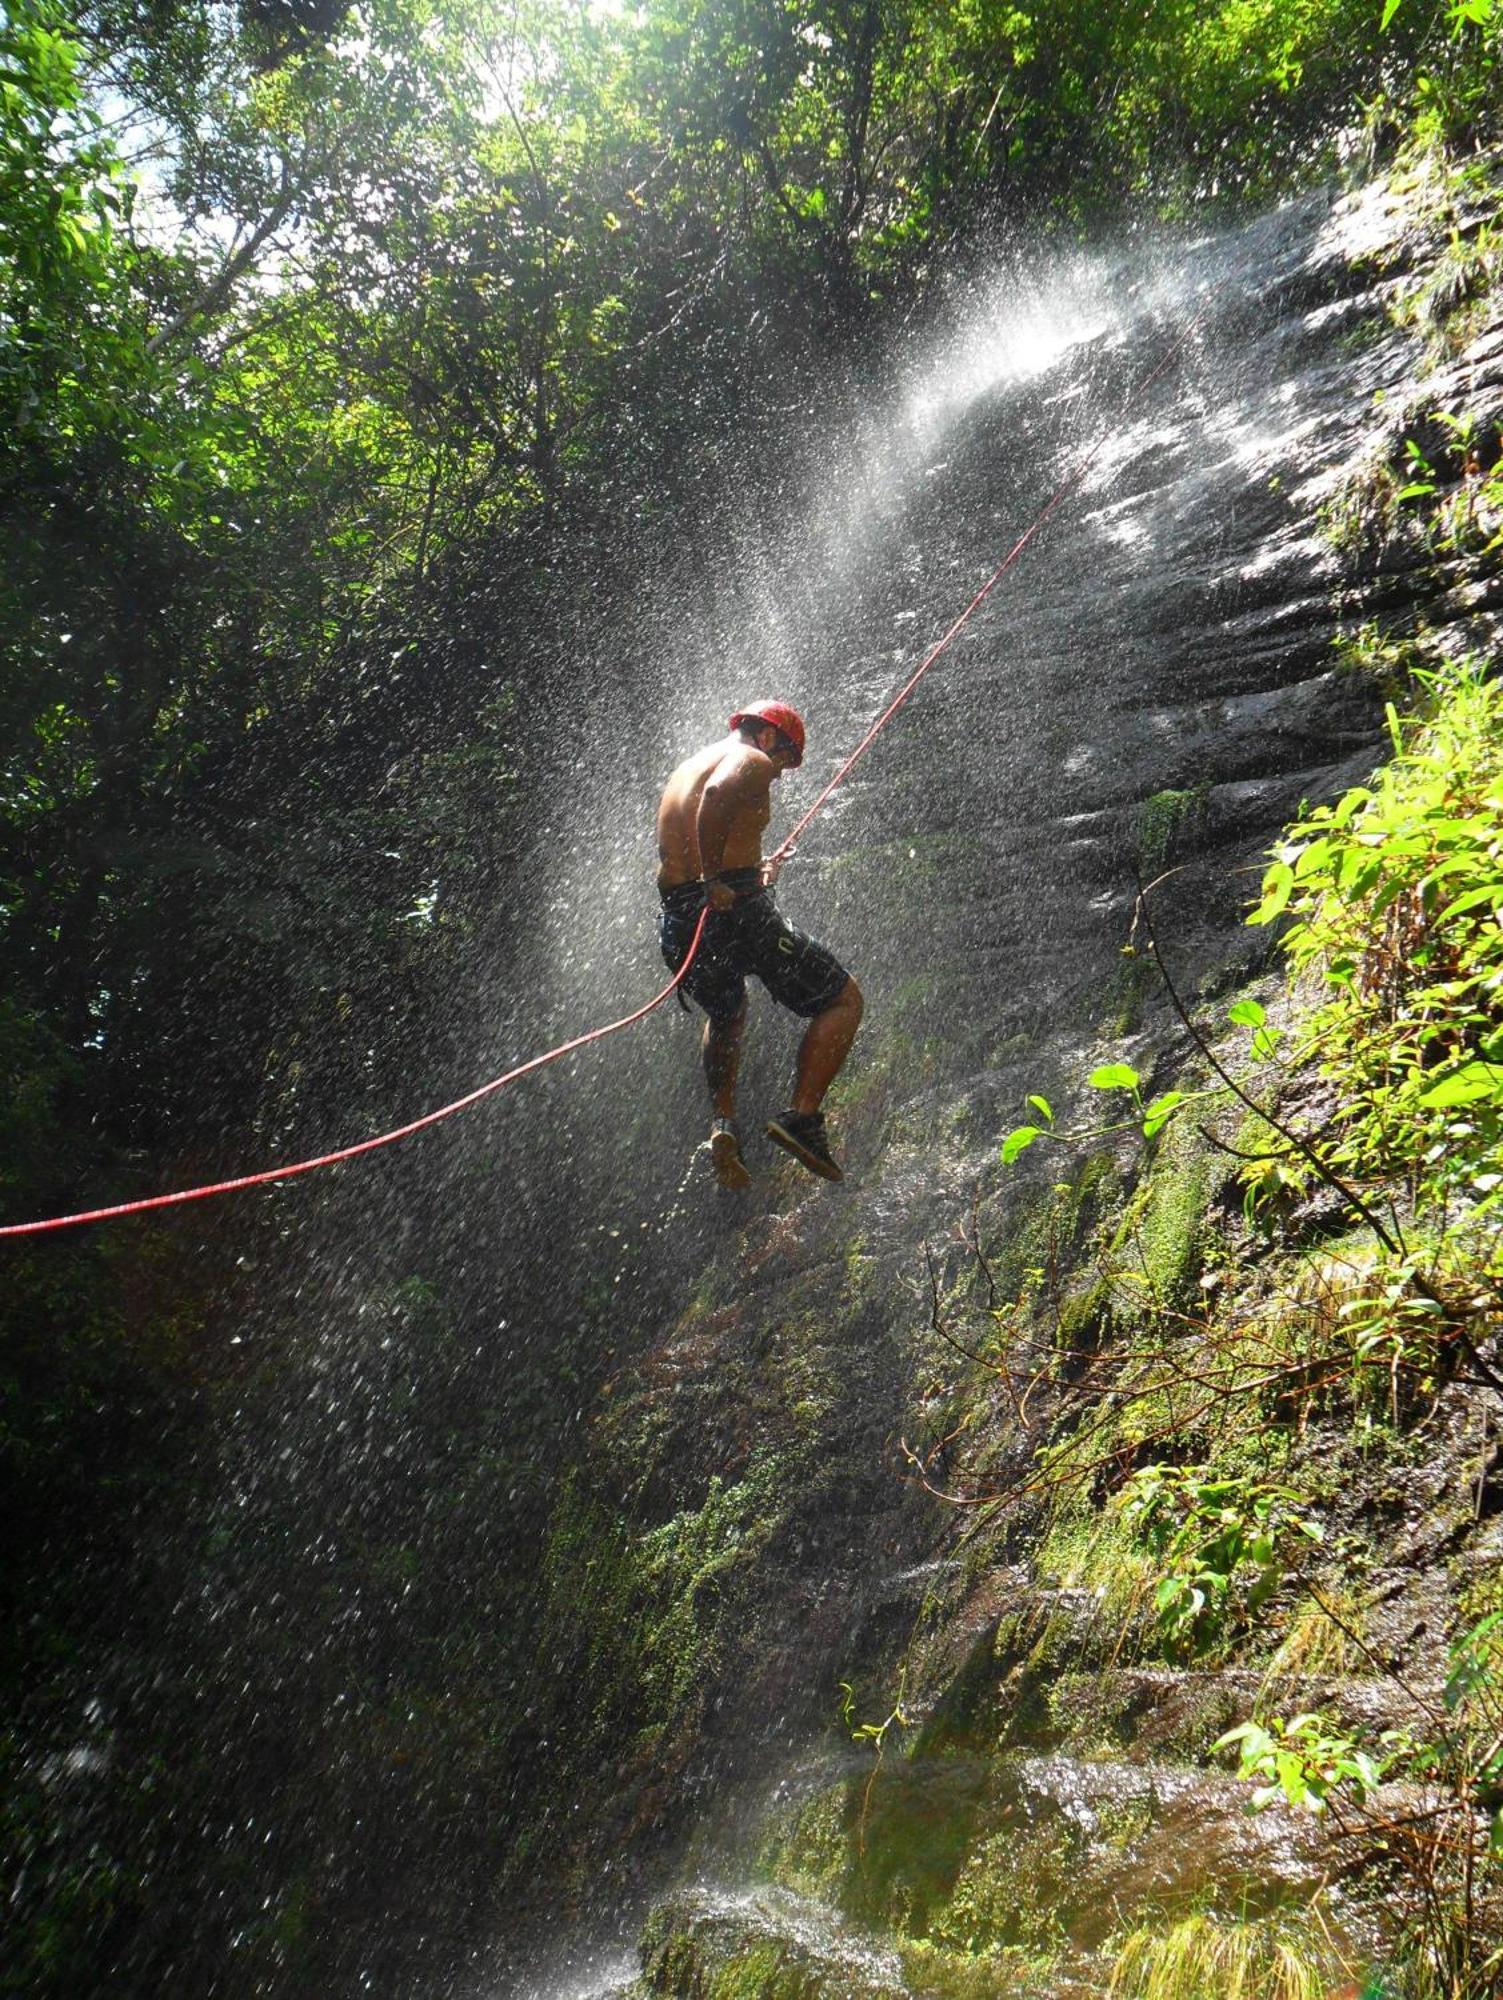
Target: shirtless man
{"points": [[710, 826]]}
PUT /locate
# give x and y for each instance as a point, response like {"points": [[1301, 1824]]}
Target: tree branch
{"points": [[214, 293]]}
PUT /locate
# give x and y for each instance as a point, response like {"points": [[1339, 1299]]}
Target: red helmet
{"points": [[787, 721]]}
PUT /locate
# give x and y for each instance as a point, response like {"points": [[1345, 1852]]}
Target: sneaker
{"points": [[725, 1152], [802, 1133]]}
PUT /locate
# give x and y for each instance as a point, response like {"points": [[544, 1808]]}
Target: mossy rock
{"points": [[764, 1945], [1107, 1711], [1161, 1241], [1018, 1859], [1168, 823]]}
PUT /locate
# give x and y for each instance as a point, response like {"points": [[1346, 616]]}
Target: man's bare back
{"points": [[714, 811]]}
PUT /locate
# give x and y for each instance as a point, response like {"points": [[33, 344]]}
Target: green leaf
{"points": [[1041, 1105], [1018, 1142], [1491, 892], [1113, 1076], [1160, 1112], [1470, 1084], [1350, 804], [1246, 1014], [1278, 886], [1316, 856], [1251, 1734], [1390, 8]]}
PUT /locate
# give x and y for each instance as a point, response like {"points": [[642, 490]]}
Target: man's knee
{"points": [[849, 1001], [726, 1027]]}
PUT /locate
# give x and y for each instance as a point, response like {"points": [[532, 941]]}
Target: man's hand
{"points": [[773, 867], [719, 897]]}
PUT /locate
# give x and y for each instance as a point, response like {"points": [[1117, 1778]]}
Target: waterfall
{"points": [[504, 1386]]}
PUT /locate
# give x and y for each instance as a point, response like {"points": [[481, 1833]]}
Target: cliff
{"points": [[871, 1613]]}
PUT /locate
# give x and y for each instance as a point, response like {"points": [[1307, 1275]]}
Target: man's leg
{"points": [[722, 1058], [826, 1044]]}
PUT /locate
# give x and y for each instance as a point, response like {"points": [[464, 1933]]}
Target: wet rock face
{"points": [[1155, 689], [765, 1945], [1170, 631], [1049, 1854], [962, 1878]]}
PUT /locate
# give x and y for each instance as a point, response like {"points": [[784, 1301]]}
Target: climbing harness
{"points": [[899, 700]]}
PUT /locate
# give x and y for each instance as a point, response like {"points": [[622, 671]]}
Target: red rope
{"points": [[383, 1139], [287, 1173]]}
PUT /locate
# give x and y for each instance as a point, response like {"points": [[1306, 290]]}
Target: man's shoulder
{"points": [[744, 763], [695, 769]]}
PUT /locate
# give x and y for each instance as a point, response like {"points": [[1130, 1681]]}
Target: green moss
{"points": [[860, 1268], [1119, 1003], [762, 1947], [1370, 654], [640, 1616], [1010, 1891], [915, 996], [810, 1849], [1046, 1239], [1091, 1552], [891, 1066], [761, 1972], [1095, 1713], [1106, 1711], [935, 1970], [1167, 822], [1158, 1248], [1085, 1316], [883, 1846]]}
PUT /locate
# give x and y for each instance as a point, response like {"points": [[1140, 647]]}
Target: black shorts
{"points": [[749, 938]]}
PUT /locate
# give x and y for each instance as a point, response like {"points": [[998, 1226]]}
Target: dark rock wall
{"points": [[1157, 686]]}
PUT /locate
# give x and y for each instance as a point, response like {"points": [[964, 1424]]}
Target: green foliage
{"points": [[1391, 898], [1450, 91], [61, 200], [1388, 905], [1456, 1752], [1471, 1752], [1151, 1116], [874, 1733], [1305, 1760], [1445, 304], [335, 348], [1370, 654], [1022, 1138], [1223, 1544], [1394, 892]]}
